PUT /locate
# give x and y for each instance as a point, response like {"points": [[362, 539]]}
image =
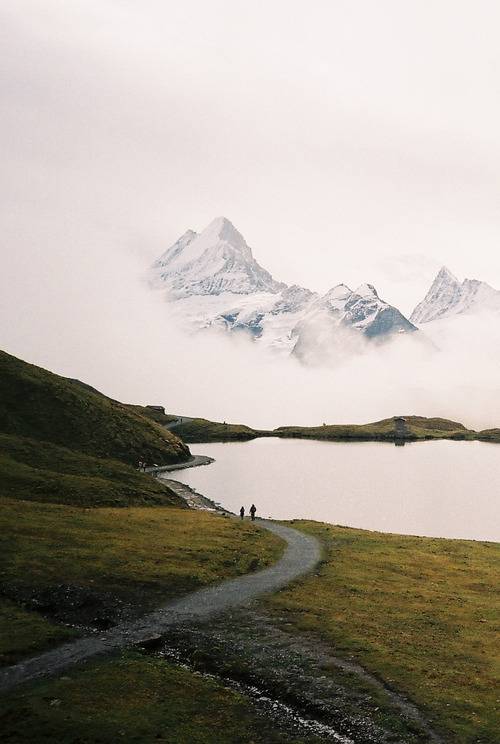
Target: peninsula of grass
{"points": [[415, 428], [137, 699], [67, 563], [203, 430], [423, 614]]}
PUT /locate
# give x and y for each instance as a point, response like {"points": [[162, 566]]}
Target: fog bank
{"points": [[341, 152], [92, 317]]}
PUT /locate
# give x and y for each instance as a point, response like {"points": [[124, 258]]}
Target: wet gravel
{"points": [[298, 679]]}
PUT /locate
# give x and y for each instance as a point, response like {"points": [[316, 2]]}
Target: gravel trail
{"points": [[301, 555]]}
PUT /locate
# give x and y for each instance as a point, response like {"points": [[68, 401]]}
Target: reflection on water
{"points": [[440, 489]]}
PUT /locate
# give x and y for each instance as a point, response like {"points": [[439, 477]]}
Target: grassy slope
{"points": [[37, 404], [421, 613], [489, 435], [419, 427], [24, 633], [203, 430], [150, 413], [41, 471], [138, 555], [152, 701], [133, 558]]}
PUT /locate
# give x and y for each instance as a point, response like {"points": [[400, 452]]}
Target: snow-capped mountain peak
{"points": [[214, 261], [213, 281], [445, 275], [366, 290], [176, 250], [448, 296], [339, 292]]}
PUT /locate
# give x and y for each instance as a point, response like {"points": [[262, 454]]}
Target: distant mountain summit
{"points": [[448, 296], [214, 261], [213, 281], [342, 320]]}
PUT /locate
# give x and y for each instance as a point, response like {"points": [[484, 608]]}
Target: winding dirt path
{"points": [[301, 555]]}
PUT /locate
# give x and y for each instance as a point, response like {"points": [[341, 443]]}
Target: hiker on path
{"points": [[242, 512], [252, 511]]}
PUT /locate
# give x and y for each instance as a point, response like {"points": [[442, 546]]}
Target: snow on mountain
{"points": [[448, 296], [215, 261], [213, 281], [344, 319]]}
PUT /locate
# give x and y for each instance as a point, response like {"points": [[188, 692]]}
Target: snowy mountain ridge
{"points": [[448, 296], [212, 280]]}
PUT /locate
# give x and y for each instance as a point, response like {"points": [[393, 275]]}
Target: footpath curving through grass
{"points": [[421, 613], [89, 566]]}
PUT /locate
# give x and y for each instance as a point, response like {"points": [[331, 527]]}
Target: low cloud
{"points": [[120, 135], [93, 318]]}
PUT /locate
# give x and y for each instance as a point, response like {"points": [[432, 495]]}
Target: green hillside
{"points": [[415, 428], [32, 470], [489, 435], [61, 441], [37, 404], [203, 430]]}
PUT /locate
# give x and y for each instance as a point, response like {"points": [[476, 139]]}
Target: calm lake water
{"points": [[438, 489]]}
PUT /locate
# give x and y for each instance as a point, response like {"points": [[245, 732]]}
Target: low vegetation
{"points": [[24, 633], [94, 564], [203, 430], [152, 701], [415, 428], [489, 435], [153, 413], [41, 471], [37, 404], [420, 613]]}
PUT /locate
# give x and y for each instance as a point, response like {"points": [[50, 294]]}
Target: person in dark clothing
{"points": [[242, 512], [252, 511]]}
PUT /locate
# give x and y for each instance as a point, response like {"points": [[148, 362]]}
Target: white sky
{"points": [[348, 140]]}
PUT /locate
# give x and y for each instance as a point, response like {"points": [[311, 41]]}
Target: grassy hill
{"points": [[37, 404], [151, 413], [203, 430], [41, 471], [489, 435], [421, 613], [62, 441], [416, 427]]}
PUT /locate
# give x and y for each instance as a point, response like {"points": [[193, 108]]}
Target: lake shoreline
{"points": [[421, 491]]}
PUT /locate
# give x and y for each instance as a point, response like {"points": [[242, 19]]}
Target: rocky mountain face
{"points": [[448, 296], [213, 281]]}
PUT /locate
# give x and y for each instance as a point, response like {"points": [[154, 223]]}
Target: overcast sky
{"points": [[349, 141]]}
